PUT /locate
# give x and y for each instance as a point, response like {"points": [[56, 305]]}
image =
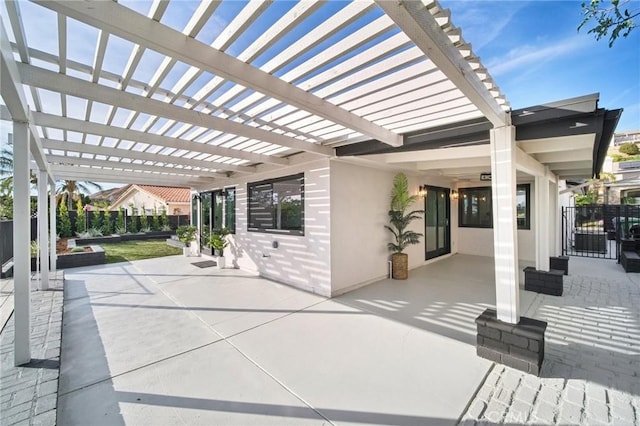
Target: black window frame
{"points": [[272, 230], [527, 218], [526, 224], [209, 200]]}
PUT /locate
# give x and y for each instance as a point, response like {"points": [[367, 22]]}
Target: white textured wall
{"points": [[359, 205], [140, 199], [300, 261]]}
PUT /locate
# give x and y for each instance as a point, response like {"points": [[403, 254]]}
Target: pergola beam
{"points": [[49, 80], [51, 144], [119, 176], [125, 23], [117, 165], [15, 99], [64, 123], [415, 20]]}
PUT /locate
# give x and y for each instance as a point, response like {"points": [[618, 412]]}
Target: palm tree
{"points": [[6, 172], [70, 190]]}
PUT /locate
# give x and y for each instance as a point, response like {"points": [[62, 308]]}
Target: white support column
{"points": [[43, 229], [542, 223], [503, 177], [53, 229], [554, 220], [21, 241]]}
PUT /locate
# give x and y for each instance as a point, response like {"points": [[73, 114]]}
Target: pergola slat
{"points": [[422, 27], [120, 21], [48, 120], [117, 165], [81, 148], [76, 87]]}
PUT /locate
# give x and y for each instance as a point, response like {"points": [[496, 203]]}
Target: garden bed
{"points": [[69, 257], [115, 238]]}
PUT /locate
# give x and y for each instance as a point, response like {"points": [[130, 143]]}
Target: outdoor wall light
{"points": [[197, 197], [422, 191], [454, 194]]}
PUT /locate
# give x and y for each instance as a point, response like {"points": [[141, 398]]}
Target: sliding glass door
{"points": [[437, 230]]}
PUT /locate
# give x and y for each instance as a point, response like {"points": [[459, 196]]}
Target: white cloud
{"points": [[526, 56], [483, 22]]}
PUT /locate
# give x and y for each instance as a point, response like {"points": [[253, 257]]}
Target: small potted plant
{"points": [[186, 234], [399, 220], [219, 242]]}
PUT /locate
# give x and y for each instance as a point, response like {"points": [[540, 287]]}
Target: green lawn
{"points": [[137, 250]]}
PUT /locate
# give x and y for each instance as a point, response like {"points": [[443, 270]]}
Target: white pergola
{"points": [[194, 93]]}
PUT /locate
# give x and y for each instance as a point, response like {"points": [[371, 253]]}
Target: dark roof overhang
{"points": [[569, 117]]}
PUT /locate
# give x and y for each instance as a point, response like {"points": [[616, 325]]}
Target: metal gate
{"points": [[597, 230]]}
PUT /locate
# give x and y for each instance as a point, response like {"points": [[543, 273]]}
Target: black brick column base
{"points": [[560, 263], [520, 346], [546, 282]]}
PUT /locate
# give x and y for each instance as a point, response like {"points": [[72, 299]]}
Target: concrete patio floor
{"points": [[162, 341]]}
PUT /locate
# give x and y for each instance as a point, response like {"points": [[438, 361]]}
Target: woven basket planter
{"points": [[399, 266]]}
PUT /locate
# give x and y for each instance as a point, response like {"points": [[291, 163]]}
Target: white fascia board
{"points": [[563, 156], [415, 20], [441, 154], [529, 165], [455, 163], [123, 22], [558, 144]]}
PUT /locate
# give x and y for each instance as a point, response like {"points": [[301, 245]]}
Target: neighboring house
{"points": [[108, 196], [138, 199], [626, 187]]}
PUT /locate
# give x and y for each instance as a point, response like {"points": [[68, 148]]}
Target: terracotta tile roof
{"points": [[110, 195], [170, 194]]}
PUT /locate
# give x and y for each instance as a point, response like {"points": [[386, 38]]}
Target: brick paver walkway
{"points": [[28, 394], [591, 371]]}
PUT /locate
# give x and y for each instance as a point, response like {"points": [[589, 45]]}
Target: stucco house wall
{"points": [[345, 243], [301, 261]]}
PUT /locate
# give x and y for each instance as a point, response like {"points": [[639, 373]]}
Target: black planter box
{"points": [[630, 261], [560, 263], [592, 242], [520, 346], [124, 237], [75, 260], [629, 245], [546, 282]]}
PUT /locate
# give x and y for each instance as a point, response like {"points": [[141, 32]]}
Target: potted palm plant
{"points": [[399, 220], [186, 234], [219, 242]]}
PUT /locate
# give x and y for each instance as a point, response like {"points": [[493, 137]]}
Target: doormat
{"points": [[204, 264]]}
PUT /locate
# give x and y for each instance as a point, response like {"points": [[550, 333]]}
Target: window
{"points": [[277, 205], [523, 214], [475, 208], [230, 210]]}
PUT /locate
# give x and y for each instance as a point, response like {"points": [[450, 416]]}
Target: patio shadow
{"points": [[278, 410], [82, 351]]}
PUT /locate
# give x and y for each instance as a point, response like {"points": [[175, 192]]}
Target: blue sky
{"points": [[531, 48], [535, 54]]}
